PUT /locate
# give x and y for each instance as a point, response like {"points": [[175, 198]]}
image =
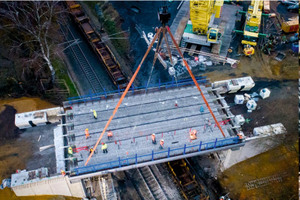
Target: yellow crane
{"points": [[252, 25], [202, 14]]}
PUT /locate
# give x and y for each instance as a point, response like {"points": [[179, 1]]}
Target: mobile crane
{"points": [[202, 14], [201, 29], [252, 25]]}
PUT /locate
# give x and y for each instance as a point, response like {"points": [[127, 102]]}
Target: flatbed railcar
{"points": [[102, 51]]}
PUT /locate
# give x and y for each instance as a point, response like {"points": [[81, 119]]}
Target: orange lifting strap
{"points": [[134, 76], [124, 94], [196, 83]]}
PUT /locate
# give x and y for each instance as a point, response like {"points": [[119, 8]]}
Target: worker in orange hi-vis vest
{"points": [[109, 135], [87, 134], [161, 144], [193, 134], [240, 136], [63, 172], [153, 138]]}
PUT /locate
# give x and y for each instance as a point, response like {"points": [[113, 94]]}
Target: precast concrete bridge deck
{"points": [[170, 111]]}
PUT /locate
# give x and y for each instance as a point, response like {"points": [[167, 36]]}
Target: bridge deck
{"points": [[139, 116]]}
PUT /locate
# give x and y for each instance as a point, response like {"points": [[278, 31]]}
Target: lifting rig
{"points": [[164, 17]]}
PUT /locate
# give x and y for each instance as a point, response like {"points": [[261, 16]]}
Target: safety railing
{"points": [[156, 155], [159, 85]]}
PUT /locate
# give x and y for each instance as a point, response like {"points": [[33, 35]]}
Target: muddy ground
{"points": [[270, 175], [17, 147]]}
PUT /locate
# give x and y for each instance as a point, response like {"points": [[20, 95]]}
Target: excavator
{"points": [[202, 14]]}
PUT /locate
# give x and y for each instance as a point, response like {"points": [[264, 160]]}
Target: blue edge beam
{"points": [[161, 154]]}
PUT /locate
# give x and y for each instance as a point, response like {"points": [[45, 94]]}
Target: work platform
{"points": [[170, 111]]}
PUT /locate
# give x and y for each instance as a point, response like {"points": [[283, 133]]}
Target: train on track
{"points": [[100, 48]]}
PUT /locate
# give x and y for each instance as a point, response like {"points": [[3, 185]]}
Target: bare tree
{"points": [[33, 22]]}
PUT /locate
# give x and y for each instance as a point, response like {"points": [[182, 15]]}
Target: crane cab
{"points": [[213, 35]]}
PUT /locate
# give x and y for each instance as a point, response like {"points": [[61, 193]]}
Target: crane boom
{"points": [[252, 24]]}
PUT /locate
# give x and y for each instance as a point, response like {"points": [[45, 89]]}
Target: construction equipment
{"points": [[202, 14], [290, 26], [164, 17], [252, 25], [248, 50]]}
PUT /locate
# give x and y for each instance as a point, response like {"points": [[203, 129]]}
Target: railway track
{"points": [[83, 62], [152, 182], [95, 41], [146, 183]]}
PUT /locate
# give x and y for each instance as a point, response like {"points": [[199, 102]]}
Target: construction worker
{"points": [[63, 172], [240, 136], [193, 134], [109, 135], [209, 124], [95, 114], [87, 134], [104, 147], [161, 144], [91, 150], [70, 151], [153, 138], [201, 110]]}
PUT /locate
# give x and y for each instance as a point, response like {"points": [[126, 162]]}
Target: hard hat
{"points": [[86, 129], [153, 133], [162, 140], [102, 143]]}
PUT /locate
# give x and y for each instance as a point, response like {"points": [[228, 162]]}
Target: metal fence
{"points": [[156, 155], [159, 85]]}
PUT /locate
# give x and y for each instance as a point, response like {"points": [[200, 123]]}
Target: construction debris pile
{"points": [[251, 100]]}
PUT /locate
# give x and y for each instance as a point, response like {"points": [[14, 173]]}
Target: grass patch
{"points": [[61, 73], [271, 175]]}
